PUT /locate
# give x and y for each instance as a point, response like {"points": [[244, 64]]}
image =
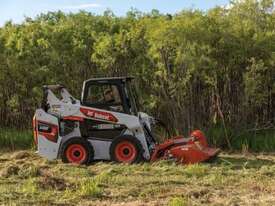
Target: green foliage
{"points": [[15, 139], [256, 141], [251, 140], [257, 79], [193, 69]]}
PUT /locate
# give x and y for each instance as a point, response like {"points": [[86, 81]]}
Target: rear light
{"points": [[49, 131], [34, 125]]}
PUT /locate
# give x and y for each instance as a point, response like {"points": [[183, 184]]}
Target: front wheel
{"points": [[126, 149], [78, 151]]}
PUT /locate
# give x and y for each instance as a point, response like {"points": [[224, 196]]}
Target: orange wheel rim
{"points": [[125, 151], [76, 153]]}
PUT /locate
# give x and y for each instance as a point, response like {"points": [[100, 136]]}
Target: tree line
{"points": [[193, 69]]}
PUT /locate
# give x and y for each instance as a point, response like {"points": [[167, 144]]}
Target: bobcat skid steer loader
{"points": [[106, 125]]}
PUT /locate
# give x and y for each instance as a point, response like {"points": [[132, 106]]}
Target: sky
{"points": [[17, 10]]}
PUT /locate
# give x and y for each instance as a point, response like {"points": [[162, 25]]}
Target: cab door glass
{"points": [[104, 96]]}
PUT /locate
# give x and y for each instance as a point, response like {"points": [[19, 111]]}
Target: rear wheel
{"points": [[126, 149], [78, 151]]}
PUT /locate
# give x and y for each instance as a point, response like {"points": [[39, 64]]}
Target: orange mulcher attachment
{"points": [[185, 150]]}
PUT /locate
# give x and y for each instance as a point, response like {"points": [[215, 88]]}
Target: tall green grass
{"points": [[240, 140], [243, 140], [260, 141], [12, 139]]}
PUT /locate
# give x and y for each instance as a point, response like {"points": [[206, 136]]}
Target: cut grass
{"points": [[177, 201], [29, 187], [232, 179], [90, 188]]}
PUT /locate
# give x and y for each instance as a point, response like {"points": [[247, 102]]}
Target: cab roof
{"points": [[109, 79]]}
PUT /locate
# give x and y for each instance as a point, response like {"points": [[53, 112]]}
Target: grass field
{"points": [[27, 179], [235, 179]]}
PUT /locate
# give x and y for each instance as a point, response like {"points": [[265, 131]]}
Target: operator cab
{"points": [[113, 94]]}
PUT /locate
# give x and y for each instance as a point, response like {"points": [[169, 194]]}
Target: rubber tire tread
{"points": [[131, 139], [78, 140]]}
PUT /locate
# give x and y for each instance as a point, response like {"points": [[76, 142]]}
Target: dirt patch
{"points": [[3, 160], [198, 193], [49, 182], [158, 202], [21, 155]]}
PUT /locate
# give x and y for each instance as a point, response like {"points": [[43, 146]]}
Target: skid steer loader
{"points": [[106, 125]]}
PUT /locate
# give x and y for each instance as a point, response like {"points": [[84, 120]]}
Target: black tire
{"points": [[132, 140], [82, 144], [214, 159]]}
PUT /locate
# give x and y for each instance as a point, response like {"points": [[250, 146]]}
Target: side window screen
{"points": [[104, 96]]}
